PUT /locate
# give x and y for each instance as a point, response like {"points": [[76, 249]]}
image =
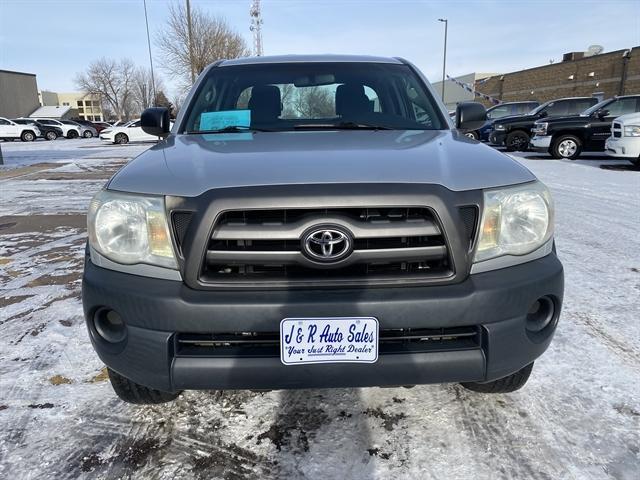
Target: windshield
{"points": [[291, 96], [540, 108], [596, 107]]}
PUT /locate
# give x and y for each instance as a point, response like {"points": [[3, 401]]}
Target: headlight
{"points": [[541, 128], [515, 221], [498, 127], [130, 229], [632, 131]]}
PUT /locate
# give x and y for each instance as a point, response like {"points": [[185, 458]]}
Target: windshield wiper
{"points": [[230, 129], [342, 126]]}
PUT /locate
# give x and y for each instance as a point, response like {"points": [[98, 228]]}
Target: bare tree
{"points": [[212, 39], [143, 88], [313, 102], [113, 81]]}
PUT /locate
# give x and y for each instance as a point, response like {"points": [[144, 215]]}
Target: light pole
{"points": [[153, 81], [193, 75], [444, 61]]}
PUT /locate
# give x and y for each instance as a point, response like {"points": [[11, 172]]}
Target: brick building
{"points": [[603, 76]]}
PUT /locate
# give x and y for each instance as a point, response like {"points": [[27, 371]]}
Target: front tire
{"points": [[87, 134], [566, 146], [121, 139], [28, 136], [51, 135], [507, 384], [473, 134], [517, 141], [132, 392], [72, 134]]}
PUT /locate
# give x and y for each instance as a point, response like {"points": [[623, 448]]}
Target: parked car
{"points": [[499, 111], [84, 130], [624, 141], [129, 132], [69, 131], [515, 132], [568, 137], [10, 131], [48, 132], [256, 250], [96, 126]]}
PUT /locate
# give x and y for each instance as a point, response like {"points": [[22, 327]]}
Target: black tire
{"points": [[87, 134], [28, 136], [72, 134], [507, 384], [517, 141], [132, 392], [121, 139], [472, 134], [566, 146], [51, 135]]}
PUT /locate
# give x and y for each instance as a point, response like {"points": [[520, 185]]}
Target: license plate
{"points": [[328, 340]]}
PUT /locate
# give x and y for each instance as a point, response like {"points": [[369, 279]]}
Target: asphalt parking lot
{"points": [[577, 418]]}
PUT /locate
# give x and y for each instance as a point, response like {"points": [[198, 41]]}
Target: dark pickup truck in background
{"points": [[496, 112], [514, 132], [567, 137]]}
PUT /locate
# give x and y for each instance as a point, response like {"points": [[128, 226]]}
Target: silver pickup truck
{"points": [[317, 221]]}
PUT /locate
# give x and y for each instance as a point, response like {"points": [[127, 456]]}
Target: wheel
{"points": [[566, 146], [473, 134], [132, 392], [507, 384], [87, 134], [121, 139], [72, 134], [517, 141], [28, 136], [51, 135]]}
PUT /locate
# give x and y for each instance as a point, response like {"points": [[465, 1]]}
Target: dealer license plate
{"points": [[329, 340]]}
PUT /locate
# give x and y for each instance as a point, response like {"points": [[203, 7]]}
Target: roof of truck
{"points": [[310, 58]]}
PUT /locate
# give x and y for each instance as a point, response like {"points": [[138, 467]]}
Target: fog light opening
{"points": [[540, 314], [109, 325]]}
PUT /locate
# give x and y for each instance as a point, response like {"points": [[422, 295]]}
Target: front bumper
{"points": [[497, 138], [540, 143], [156, 310], [625, 147]]}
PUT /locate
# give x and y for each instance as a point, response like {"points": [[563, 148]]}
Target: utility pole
{"points": [[256, 27], [444, 61], [153, 80], [193, 75]]}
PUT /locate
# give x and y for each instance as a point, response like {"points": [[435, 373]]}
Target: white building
{"points": [[454, 93]]}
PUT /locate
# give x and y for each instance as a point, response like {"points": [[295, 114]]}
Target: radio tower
{"points": [[256, 27]]}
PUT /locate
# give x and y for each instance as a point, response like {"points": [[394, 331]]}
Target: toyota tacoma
{"points": [[313, 222]]}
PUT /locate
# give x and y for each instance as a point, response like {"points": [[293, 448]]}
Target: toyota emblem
{"points": [[327, 244]]}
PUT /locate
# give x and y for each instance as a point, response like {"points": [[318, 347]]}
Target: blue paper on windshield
{"points": [[225, 118]]}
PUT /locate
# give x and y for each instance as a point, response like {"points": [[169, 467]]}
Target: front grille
{"points": [[267, 344], [265, 245], [617, 134]]}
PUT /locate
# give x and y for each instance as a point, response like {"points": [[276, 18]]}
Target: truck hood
{"points": [[189, 165]]}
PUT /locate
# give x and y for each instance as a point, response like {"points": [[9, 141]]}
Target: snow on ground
{"points": [[577, 418]]}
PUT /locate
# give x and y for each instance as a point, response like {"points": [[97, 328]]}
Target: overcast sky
{"points": [[58, 38]]}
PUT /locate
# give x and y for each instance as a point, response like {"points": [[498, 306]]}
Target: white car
{"points": [[10, 130], [624, 141], [68, 130], [85, 131], [129, 132]]}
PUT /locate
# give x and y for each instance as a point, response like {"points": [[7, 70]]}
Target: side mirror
{"points": [[155, 121], [543, 114], [470, 116], [603, 112]]}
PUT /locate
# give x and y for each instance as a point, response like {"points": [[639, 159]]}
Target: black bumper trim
{"points": [[156, 309]]}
